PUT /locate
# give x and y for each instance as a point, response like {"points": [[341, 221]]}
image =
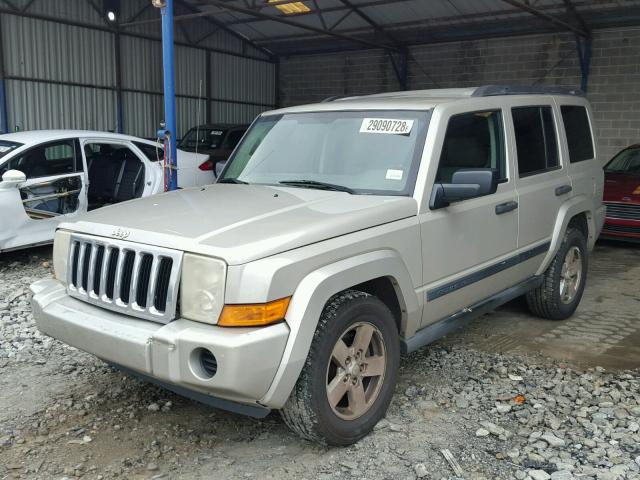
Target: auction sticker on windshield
{"points": [[386, 125]]}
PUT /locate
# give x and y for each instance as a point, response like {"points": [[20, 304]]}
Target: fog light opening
{"points": [[204, 363]]}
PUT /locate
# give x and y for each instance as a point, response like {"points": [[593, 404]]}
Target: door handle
{"points": [[506, 207], [563, 189]]}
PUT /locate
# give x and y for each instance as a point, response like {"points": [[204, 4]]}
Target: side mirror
{"points": [[12, 178], [465, 184]]}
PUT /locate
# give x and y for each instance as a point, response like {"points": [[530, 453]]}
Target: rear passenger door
{"points": [[587, 175], [542, 182]]}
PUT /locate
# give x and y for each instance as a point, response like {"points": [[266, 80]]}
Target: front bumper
{"points": [[247, 358]]}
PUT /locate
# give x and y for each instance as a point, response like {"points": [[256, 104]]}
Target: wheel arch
{"points": [[577, 212], [381, 269]]}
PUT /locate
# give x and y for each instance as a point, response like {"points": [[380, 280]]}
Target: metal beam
{"points": [[454, 21], [368, 19], [573, 11], [584, 46], [117, 44], [340, 8], [273, 18], [547, 17], [130, 90], [291, 23], [217, 24]]}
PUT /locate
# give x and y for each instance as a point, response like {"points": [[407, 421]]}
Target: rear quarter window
{"points": [[578, 131]]}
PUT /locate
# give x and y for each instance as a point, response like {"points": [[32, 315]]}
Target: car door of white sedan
{"points": [[54, 191]]}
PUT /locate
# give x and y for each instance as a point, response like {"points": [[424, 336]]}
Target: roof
{"points": [[338, 25], [424, 99], [39, 136]]}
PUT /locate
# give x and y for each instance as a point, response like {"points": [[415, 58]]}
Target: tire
{"points": [[308, 412], [549, 300]]}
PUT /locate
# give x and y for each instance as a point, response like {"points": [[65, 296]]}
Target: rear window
{"points": [[536, 140], [579, 139]]}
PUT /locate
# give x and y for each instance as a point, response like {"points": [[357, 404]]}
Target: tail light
{"points": [[207, 166]]}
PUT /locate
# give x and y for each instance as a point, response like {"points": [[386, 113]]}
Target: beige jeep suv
{"points": [[339, 236]]}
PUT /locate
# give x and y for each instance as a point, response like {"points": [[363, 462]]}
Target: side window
{"points": [[473, 140], [536, 140], [579, 139], [57, 158], [152, 152], [232, 139]]}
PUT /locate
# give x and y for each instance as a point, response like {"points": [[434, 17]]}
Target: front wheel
{"points": [[348, 379], [564, 281]]}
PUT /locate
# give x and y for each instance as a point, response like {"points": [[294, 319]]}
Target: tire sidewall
{"points": [[573, 238], [335, 430]]}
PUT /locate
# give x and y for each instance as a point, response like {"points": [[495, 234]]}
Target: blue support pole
{"points": [[169, 96]]}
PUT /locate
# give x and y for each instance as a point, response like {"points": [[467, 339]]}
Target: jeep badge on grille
{"points": [[120, 233]]}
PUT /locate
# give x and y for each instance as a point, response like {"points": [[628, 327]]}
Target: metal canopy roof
{"points": [[337, 25]]}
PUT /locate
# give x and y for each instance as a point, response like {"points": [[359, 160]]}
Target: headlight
{"points": [[202, 288], [61, 243]]}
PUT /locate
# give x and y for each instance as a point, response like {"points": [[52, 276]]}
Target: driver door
{"points": [[54, 190], [465, 243]]}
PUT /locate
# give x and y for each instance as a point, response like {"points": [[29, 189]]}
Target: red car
{"points": [[622, 195]]}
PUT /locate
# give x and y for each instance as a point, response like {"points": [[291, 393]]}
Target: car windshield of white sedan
{"points": [[626, 162], [7, 147], [376, 152]]}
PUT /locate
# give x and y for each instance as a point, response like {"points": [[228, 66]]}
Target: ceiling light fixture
{"points": [[290, 8]]}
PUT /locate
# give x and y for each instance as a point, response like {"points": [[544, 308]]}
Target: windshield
{"points": [[626, 162], [208, 139], [374, 152], [7, 147]]}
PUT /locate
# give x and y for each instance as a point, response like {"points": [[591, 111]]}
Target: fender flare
{"points": [[311, 296], [568, 210]]}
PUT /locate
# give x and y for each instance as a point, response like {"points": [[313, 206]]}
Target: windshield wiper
{"points": [[233, 180], [318, 185]]}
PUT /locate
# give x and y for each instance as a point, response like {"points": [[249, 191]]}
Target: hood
{"points": [[242, 223], [621, 188]]}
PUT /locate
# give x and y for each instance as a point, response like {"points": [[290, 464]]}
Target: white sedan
{"points": [[50, 176]]}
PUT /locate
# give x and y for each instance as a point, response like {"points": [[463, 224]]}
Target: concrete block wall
{"points": [[614, 82]]}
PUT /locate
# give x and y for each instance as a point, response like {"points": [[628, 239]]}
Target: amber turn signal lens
{"points": [[254, 315]]}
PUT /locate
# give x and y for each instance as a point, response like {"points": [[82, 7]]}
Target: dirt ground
{"points": [[64, 413]]}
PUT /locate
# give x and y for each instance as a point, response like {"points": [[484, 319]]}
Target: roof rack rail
{"points": [[493, 90], [333, 98]]}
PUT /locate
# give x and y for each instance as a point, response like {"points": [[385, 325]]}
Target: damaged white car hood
{"points": [[242, 223]]}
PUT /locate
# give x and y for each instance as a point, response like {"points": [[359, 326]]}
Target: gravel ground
{"points": [[65, 414]]}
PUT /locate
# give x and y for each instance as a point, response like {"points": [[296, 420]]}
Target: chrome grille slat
{"points": [[80, 273], [155, 267], [92, 269], [104, 272], [118, 280], [86, 248], [623, 211], [133, 291]]}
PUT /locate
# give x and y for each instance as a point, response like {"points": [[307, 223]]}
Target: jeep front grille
{"points": [[126, 277]]}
